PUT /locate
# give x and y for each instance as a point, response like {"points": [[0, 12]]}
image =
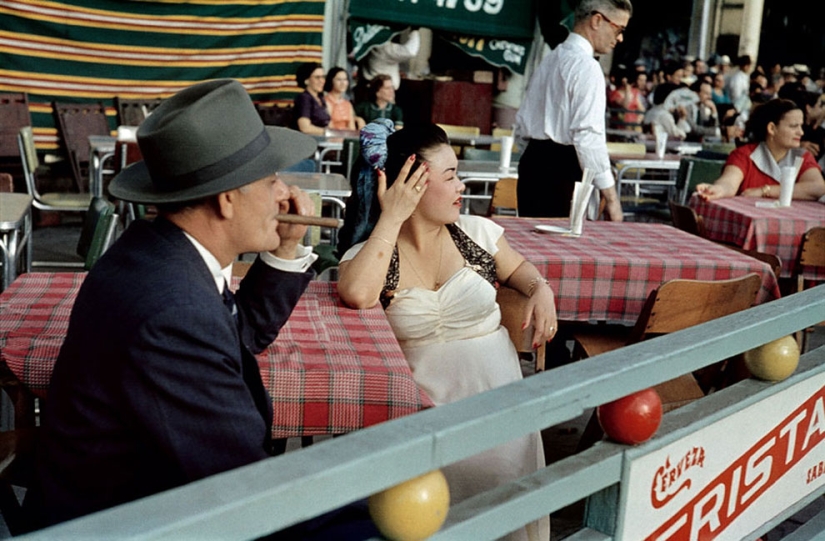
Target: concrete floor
{"points": [[57, 243]]}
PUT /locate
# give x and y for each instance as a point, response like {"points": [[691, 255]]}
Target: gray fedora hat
{"points": [[204, 140]]}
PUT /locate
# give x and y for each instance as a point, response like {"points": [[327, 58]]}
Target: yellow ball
{"points": [[775, 360], [413, 510]]}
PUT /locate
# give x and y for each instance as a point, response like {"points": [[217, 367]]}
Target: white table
{"points": [[648, 170], [15, 233]]}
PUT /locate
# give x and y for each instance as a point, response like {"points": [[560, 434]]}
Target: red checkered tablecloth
{"points": [[777, 230], [331, 370], [608, 272]]}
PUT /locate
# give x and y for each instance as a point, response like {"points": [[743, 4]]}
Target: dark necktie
{"points": [[229, 301]]}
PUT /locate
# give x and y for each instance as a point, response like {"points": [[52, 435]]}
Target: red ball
{"points": [[633, 418]]}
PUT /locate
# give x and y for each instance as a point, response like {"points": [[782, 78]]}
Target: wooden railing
{"points": [[270, 495]]}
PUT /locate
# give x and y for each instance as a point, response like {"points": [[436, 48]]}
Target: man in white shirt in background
{"points": [[562, 115], [386, 58]]}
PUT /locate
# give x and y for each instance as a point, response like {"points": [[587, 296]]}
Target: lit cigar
{"points": [[309, 220]]}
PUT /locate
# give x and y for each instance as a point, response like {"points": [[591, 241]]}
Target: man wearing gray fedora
{"points": [[156, 384]]}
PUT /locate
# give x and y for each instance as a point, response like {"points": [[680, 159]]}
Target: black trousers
{"points": [[547, 172]]}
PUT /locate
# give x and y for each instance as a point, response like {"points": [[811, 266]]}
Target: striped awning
{"points": [[94, 50]]}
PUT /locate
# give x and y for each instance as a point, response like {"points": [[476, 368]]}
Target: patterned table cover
{"points": [[608, 272], [331, 370], [777, 230]]}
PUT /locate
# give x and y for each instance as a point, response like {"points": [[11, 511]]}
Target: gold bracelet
{"points": [[531, 287], [376, 237], [766, 190]]}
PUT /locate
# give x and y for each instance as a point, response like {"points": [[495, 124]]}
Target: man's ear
{"points": [[225, 204]]}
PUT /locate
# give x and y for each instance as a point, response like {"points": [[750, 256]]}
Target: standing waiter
{"points": [[563, 112]]}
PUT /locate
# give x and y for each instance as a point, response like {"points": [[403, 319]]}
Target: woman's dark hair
{"points": [[762, 115], [304, 71], [375, 85], [418, 139], [331, 75]]}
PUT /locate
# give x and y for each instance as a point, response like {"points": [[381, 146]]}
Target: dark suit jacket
{"points": [[155, 385]]}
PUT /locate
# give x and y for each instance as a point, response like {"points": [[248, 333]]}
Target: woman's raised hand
{"points": [[401, 199]]}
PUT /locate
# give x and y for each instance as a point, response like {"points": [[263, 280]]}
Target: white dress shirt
{"points": [[222, 276], [385, 58], [566, 102]]}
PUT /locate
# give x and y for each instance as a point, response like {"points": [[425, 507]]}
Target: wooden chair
{"points": [[676, 305], [686, 219], [504, 196], [77, 121], [132, 112], [811, 254], [500, 132], [54, 201], [512, 304]]}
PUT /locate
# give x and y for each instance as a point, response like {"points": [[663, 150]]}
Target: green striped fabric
{"points": [[94, 50]]}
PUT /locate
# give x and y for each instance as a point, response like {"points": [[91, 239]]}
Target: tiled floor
{"points": [[57, 243]]}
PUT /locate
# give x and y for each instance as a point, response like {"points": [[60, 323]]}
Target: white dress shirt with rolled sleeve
{"points": [[566, 102]]}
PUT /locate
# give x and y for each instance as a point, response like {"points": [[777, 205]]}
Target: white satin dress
{"points": [[456, 347]]}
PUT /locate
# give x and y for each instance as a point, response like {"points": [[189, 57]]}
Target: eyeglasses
{"points": [[619, 28]]}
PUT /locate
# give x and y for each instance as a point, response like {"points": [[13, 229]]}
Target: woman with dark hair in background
{"points": [[311, 114], [775, 131], [435, 272], [341, 112]]}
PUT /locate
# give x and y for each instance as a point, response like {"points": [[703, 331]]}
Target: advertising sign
{"points": [[724, 480], [502, 19]]}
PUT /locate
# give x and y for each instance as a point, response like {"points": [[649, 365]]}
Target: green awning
{"points": [[502, 53], [501, 19], [510, 54]]}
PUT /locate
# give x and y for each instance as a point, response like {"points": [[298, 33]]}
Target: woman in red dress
{"points": [[754, 169]]}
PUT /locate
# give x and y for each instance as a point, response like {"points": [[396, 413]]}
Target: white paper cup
{"points": [[661, 143], [506, 151], [786, 185]]}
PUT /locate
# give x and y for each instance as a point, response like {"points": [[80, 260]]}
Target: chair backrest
{"points": [[693, 171], [686, 219], [513, 304], [14, 114], [103, 235], [131, 112], [77, 122], [504, 196], [679, 304], [28, 158], [98, 208], [812, 248], [481, 154]]}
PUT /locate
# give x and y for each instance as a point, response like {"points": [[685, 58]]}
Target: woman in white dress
{"points": [[435, 272]]}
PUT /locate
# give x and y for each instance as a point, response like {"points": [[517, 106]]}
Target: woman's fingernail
{"points": [[412, 158], [523, 326]]}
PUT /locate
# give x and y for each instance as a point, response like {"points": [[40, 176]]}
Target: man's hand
{"points": [[291, 234]]}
